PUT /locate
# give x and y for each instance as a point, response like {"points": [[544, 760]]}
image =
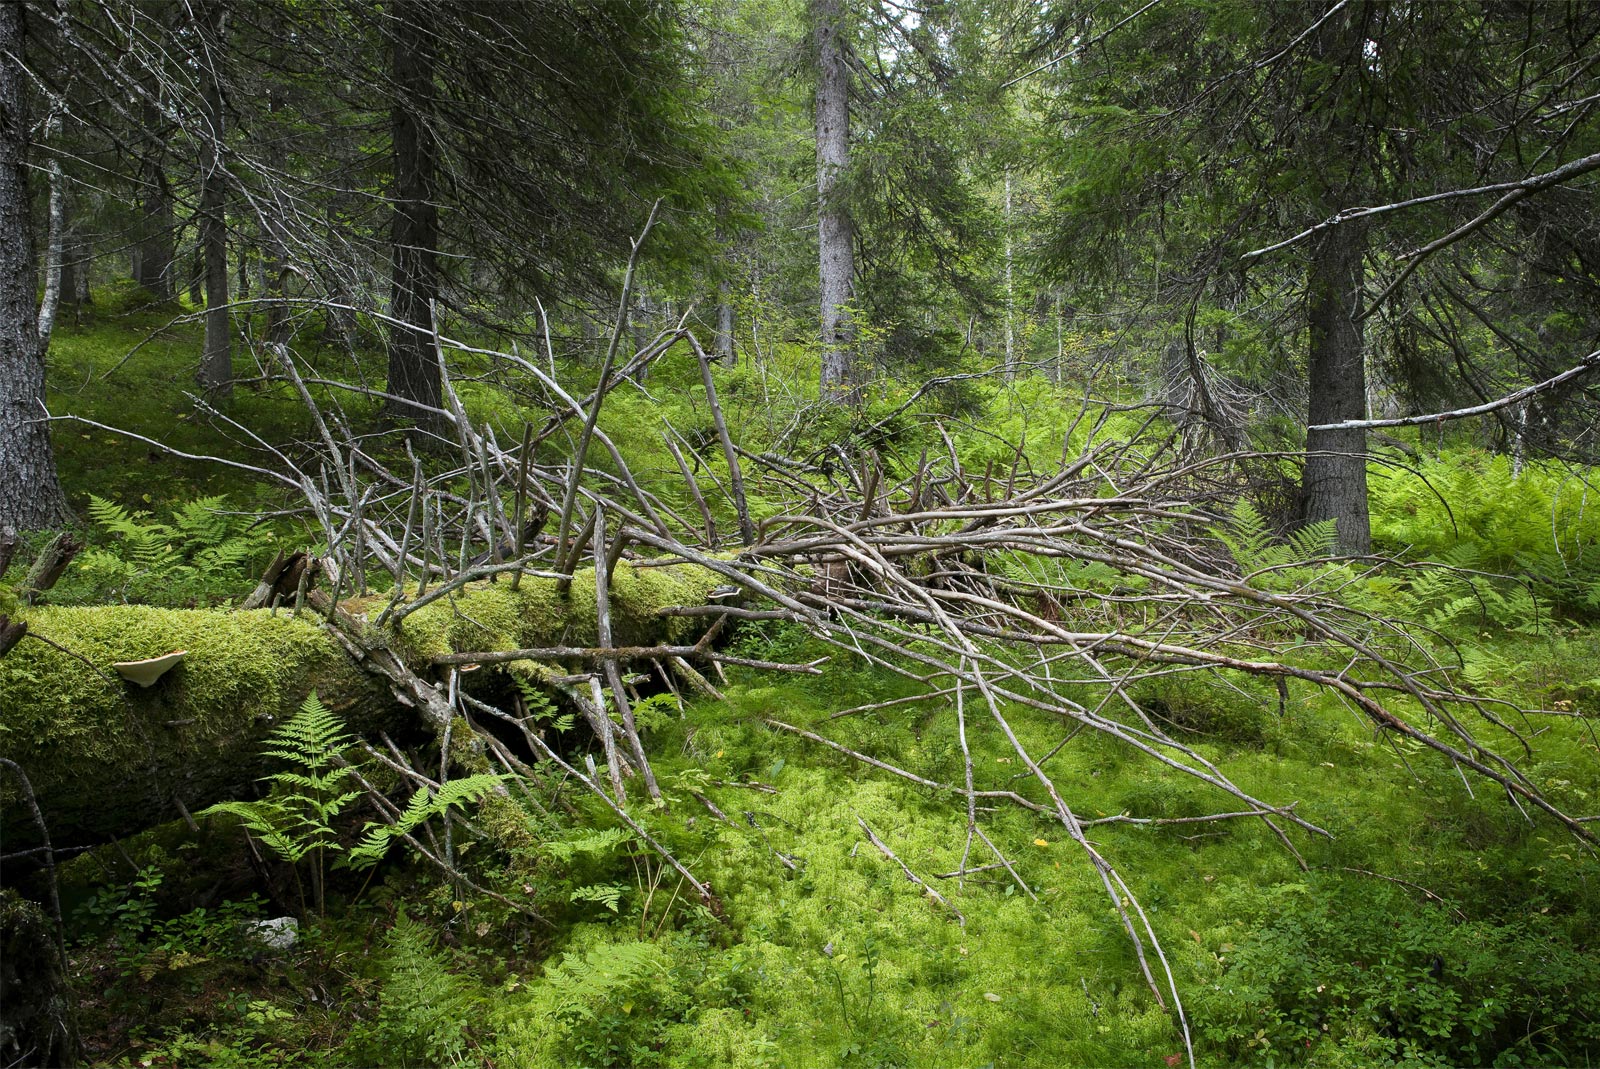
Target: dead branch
{"points": [[883, 848]]}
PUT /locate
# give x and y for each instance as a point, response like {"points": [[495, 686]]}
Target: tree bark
{"points": [[155, 254], [30, 495], [1334, 483], [724, 326], [55, 247], [76, 259], [835, 229], [216, 361], [197, 274], [37, 1014], [413, 368], [1011, 303], [276, 268]]}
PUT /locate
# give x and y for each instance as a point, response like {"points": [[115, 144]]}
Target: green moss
{"points": [[103, 754], [489, 616]]}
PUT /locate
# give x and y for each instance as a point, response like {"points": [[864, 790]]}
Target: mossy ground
{"points": [[1434, 927], [1395, 947]]}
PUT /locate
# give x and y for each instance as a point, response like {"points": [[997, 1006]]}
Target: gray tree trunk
{"points": [[76, 258], [835, 229], [216, 362], [724, 325], [30, 495], [154, 255], [1011, 301], [55, 246], [197, 274], [276, 268], [155, 252], [1334, 483], [414, 233]]}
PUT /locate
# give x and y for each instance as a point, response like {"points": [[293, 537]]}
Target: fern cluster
{"points": [[296, 819], [423, 1008], [424, 806], [198, 556], [1543, 526], [1266, 561]]}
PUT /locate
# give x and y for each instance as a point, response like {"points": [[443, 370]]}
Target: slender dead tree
{"points": [[216, 361]]}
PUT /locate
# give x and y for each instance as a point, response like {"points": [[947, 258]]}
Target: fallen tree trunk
{"points": [[107, 757]]}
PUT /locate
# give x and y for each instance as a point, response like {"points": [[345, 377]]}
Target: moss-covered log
{"points": [[107, 757]]}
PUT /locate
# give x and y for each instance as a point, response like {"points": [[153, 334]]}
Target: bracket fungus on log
{"points": [[146, 672]]}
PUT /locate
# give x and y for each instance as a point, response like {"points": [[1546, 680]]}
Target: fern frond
{"points": [[1246, 537], [424, 805], [606, 894], [596, 842], [1314, 540], [583, 985], [312, 738], [114, 518]]}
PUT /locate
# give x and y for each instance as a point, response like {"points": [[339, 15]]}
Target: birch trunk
{"points": [[53, 256]]}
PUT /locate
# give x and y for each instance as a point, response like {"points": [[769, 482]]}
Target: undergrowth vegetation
{"points": [[1436, 926]]}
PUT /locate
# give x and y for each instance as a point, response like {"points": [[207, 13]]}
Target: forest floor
{"points": [[1436, 925]]}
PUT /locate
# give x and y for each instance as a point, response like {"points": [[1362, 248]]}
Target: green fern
{"points": [[1256, 551], [585, 986], [424, 806], [605, 894], [423, 1008], [176, 563], [595, 843], [540, 708], [295, 820], [656, 711]]}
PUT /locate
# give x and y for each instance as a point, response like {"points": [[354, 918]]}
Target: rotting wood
{"points": [[49, 566]]}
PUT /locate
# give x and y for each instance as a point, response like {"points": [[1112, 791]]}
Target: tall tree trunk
{"points": [[724, 338], [197, 273], [1011, 302], [76, 256], [276, 267], [30, 495], [724, 325], [413, 369], [216, 362], [154, 254], [1334, 483], [55, 248], [835, 229]]}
